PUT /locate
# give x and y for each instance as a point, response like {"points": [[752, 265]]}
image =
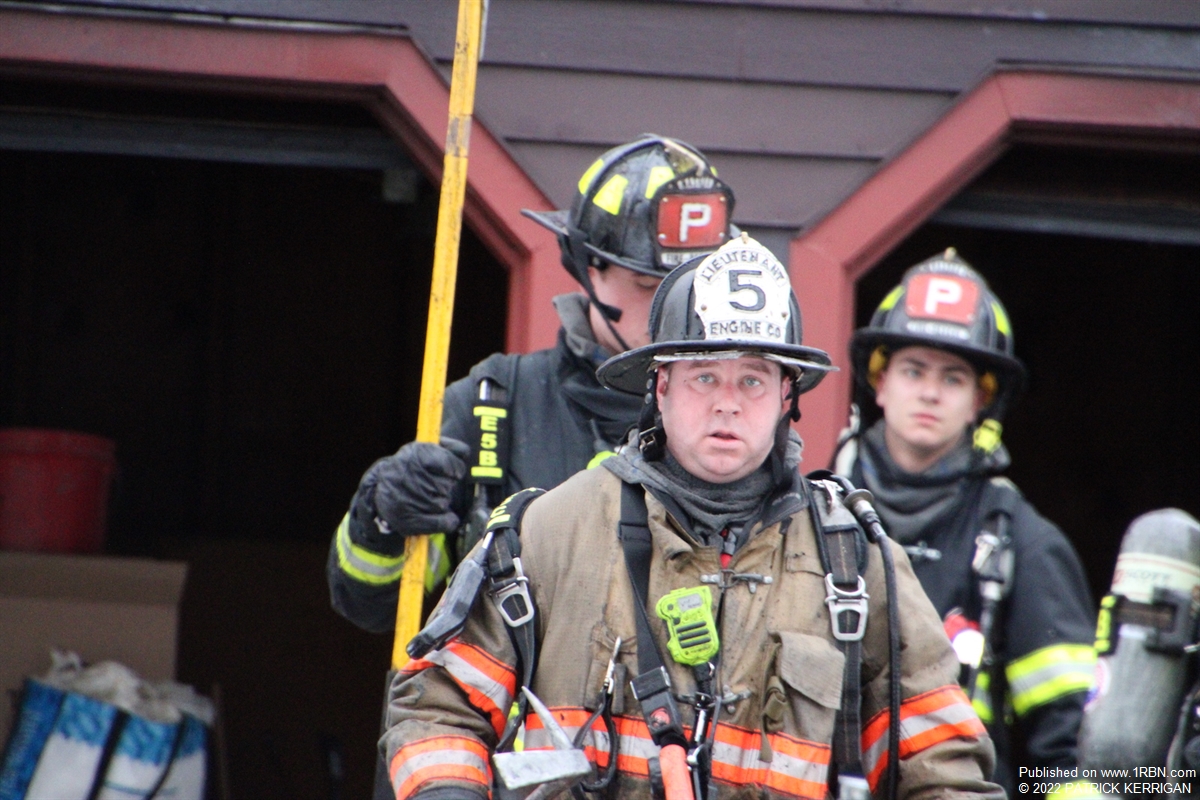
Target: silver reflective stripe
{"points": [[1050, 673], [433, 758], [783, 764], [950, 714], [468, 674], [361, 564], [631, 746]]}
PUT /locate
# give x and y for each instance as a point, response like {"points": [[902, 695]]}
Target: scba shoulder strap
{"points": [[842, 546], [496, 379], [495, 387], [839, 518], [992, 567], [509, 591], [993, 559], [496, 561]]}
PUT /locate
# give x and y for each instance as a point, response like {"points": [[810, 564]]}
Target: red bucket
{"points": [[54, 490]]}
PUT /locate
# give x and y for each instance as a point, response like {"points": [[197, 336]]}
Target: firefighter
{"points": [[641, 209], [685, 616], [937, 358]]}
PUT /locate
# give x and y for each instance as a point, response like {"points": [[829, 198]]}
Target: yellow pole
{"points": [[441, 298]]}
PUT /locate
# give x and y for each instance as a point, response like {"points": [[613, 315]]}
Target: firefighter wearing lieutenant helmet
{"points": [[937, 359], [535, 419], [682, 613]]}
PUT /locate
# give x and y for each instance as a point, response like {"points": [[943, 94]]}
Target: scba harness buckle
{"points": [[511, 597], [841, 604]]}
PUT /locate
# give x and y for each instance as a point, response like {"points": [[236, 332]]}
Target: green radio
{"points": [[691, 625]]}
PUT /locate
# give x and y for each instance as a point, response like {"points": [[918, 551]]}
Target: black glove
{"points": [[410, 493]]}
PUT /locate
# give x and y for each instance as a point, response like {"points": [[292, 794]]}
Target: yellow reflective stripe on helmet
{"points": [[1050, 673], [611, 194], [981, 699], [600, 457], [585, 181], [1001, 319], [893, 296], [363, 565], [657, 177]]}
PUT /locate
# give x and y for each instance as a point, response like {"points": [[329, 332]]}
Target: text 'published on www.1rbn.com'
{"points": [[1090, 782]]}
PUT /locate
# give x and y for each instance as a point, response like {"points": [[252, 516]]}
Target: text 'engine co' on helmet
{"points": [[649, 206], [737, 301], [945, 304]]}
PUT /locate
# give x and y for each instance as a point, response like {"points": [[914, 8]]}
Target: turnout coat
{"points": [[447, 710]]}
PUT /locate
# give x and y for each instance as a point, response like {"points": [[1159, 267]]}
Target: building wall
{"points": [[796, 102]]}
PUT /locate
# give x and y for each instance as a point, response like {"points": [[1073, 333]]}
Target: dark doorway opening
{"points": [[251, 334], [1094, 253]]}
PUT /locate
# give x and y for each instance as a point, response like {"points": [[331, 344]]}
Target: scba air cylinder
{"points": [[1144, 624]]}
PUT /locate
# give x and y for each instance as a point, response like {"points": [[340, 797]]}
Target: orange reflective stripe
{"points": [[799, 768], [636, 746], [455, 758], [925, 720], [489, 683]]}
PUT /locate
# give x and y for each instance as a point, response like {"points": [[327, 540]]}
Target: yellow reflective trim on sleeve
{"points": [[438, 563], [1001, 320], [363, 565], [611, 194], [519, 741], [600, 458], [657, 177], [1047, 674], [1104, 625], [981, 699], [892, 297], [585, 180]]}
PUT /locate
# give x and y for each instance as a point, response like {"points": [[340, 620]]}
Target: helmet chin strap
{"points": [[579, 257], [606, 311], [652, 438]]}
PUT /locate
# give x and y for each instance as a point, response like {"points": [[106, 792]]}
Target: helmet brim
{"points": [[555, 221], [630, 371]]}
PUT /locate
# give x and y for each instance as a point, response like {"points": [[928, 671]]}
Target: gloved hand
{"points": [[410, 492]]}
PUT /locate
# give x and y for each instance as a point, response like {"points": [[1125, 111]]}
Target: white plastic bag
{"points": [[102, 732]]}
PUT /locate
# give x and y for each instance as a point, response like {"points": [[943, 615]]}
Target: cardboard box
{"points": [[104, 608]]}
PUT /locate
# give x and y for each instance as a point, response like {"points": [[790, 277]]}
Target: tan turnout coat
{"points": [[447, 709]]}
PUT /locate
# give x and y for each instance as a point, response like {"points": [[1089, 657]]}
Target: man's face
{"points": [[928, 397], [629, 291], [720, 416]]}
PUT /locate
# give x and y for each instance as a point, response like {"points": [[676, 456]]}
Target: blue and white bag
{"points": [[100, 733]]}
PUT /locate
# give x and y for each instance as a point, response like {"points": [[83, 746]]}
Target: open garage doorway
{"points": [[1095, 254], [234, 290]]}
